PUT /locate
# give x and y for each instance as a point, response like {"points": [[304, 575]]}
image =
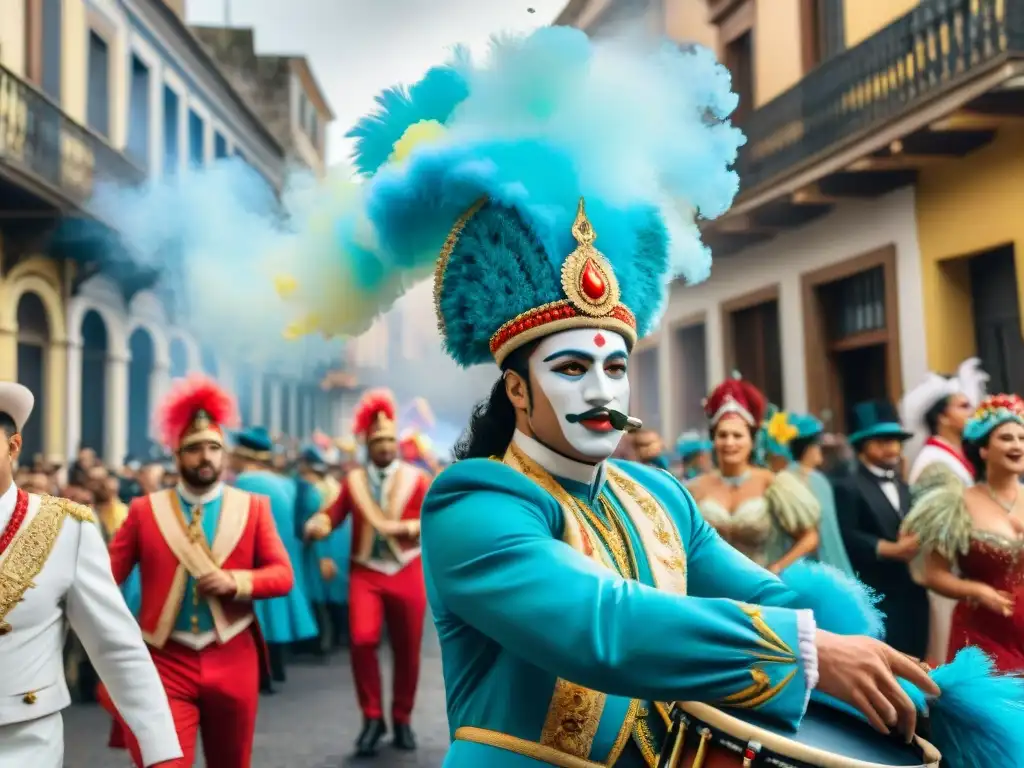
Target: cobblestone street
{"points": [[312, 722]]}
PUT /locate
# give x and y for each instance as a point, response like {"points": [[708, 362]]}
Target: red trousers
{"points": [[402, 600], [214, 691]]}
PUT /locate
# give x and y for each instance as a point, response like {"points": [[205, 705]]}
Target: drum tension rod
{"points": [[673, 748], [750, 753], [705, 736]]}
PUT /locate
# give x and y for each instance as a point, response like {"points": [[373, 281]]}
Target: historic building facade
{"points": [[874, 236], [98, 91]]}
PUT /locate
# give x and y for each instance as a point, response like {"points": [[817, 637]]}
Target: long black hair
{"points": [[493, 421], [972, 450]]}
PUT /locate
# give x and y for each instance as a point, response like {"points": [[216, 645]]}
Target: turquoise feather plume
{"points": [[434, 97], [977, 722], [639, 131], [841, 604]]}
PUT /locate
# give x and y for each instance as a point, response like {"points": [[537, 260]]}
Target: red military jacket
{"points": [[155, 536], [403, 494]]}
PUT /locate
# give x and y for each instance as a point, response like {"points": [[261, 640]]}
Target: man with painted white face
{"points": [[571, 592]]}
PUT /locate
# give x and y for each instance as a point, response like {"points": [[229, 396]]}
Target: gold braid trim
{"points": [[30, 550]]}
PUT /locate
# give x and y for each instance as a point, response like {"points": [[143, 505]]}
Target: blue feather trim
{"points": [[841, 604], [977, 722]]}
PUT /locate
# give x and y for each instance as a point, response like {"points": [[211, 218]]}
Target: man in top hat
{"points": [[386, 577], [54, 568], [205, 552], [871, 503]]}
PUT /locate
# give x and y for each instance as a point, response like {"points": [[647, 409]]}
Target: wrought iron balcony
{"points": [[934, 48], [53, 160]]}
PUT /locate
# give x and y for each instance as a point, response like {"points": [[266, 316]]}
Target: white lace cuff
{"points": [[806, 632]]}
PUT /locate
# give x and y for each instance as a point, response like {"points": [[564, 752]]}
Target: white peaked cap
{"points": [[970, 380], [17, 402]]}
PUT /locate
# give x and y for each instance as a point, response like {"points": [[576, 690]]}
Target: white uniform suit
{"points": [[55, 573]]}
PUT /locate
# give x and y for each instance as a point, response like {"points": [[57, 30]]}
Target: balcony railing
{"points": [[40, 141], [921, 54]]}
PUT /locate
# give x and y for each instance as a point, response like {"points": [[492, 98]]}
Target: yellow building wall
{"points": [[865, 17], [686, 21], [965, 207], [41, 276], [12, 36], [778, 59]]}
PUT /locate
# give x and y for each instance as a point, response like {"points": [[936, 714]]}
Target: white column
{"points": [[667, 372], [159, 384], [226, 378], [293, 408], [115, 410], [74, 395], [256, 401], [274, 427], [309, 408]]}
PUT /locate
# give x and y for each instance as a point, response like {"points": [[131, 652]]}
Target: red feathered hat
{"points": [[374, 417], [196, 409], [738, 397]]}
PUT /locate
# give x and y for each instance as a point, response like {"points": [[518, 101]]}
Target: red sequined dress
{"points": [[998, 562], [939, 516]]}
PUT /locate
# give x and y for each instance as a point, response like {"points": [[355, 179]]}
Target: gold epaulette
{"points": [[79, 512]]}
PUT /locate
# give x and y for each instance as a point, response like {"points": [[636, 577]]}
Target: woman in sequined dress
{"points": [[772, 519], [974, 537]]}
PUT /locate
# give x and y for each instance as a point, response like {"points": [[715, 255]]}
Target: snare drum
{"points": [[702, 736]]}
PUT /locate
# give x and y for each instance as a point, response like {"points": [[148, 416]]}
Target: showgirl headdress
{"points": [[553, 186], [736, 397], [195, 410], [783, 428], [690, 443], [994, 411], [374, 417]]}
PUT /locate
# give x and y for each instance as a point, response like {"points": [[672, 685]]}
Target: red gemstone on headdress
{"points": [[591, 282], [599, 340]]}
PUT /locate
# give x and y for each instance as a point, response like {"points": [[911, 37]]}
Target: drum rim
{"points": [[786, 747]]}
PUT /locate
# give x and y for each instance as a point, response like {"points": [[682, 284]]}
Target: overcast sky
{"points": [[359, 47]]}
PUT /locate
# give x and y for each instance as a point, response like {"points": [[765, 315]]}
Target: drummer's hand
{"points": [[862, 672]]}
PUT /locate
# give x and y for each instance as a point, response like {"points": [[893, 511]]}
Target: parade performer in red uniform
{"points": [[205, 551], [386, 580]]}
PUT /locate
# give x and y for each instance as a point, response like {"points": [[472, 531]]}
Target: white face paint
{"points": [[582, 370]]}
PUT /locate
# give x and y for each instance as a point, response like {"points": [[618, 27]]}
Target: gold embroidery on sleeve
{"points": [[30, 550], [761, 690]]}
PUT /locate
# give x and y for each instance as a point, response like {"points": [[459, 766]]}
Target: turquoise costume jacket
{"points": [[521, 612]]}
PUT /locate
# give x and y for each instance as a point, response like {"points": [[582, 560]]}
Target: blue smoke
{"points": [[209, 238]]}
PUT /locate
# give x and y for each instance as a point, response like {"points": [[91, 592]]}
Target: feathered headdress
{"points": [[738, 397], [692, 442], [194, 410], [970, 380], [553, 186], [374, 416], [994, 411]]}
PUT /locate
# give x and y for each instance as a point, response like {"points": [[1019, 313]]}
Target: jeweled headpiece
{"points": [[499, 177], [737, 397], [994, 411]]}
